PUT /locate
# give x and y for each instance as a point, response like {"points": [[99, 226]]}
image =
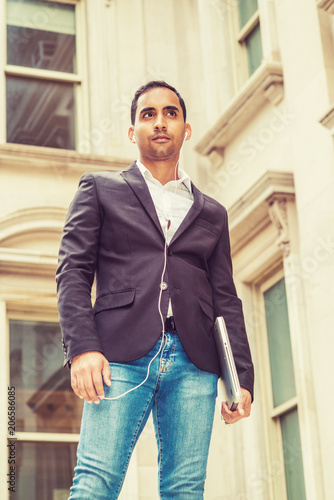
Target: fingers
{"points": [[245, 403], [106, 374], [243, 410], [230, 417], [74, 384], [96, 388], [83, 386], [88, 370]]}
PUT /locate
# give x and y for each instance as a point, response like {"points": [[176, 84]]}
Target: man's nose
{"points": [[160, 122]]}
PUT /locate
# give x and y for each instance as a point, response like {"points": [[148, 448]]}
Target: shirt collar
{"points": [[183, 176]]}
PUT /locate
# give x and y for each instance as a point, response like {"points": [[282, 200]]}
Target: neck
{"points": [[163, 171]]}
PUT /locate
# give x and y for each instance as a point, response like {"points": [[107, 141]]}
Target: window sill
{"points": [[63, 160], [327, 5], [266, 84]]}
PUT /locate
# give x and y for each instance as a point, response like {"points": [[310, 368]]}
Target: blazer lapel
{"points": [[134, 178], [194, 211]]}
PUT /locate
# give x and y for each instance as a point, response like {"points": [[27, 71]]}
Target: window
{"points": [[41, 73], [48, 413], [284, 401], [249, 36]]}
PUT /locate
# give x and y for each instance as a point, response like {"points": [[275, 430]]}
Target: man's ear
{"points": [[131, 135], [188, 132]]}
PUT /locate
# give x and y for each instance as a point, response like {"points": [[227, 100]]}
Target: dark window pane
{"points": [[44, 471], [40, 113], [41, 34], [254, 49], [45, 401], [246, 9], [292, 450], [40, 49], [281, 363]]}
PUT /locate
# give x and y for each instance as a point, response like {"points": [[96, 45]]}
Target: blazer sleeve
{"points": [[76, 270], [227, 304]]}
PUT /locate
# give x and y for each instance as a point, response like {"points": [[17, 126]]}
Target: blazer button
{"points": [[169, 252], [163, 286]]}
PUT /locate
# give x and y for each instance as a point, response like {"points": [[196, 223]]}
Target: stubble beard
{"points": [[164, 152]]}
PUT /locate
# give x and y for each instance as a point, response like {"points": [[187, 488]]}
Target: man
{"points": [[160, 252]]}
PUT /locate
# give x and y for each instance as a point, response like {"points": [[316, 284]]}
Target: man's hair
{"points": [[151, 85]]}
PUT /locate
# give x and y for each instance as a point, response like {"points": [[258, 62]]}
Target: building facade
{"points": [[258, 80]]}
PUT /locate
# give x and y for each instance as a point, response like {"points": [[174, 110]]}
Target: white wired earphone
{"points": [[168, 220]]}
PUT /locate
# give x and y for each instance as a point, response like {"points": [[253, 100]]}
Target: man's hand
{"points": [[88, 370], [243, 410]]}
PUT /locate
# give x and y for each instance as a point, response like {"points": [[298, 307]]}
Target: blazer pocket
{"points": [[207, 225], [206, 308], [113, 300]]}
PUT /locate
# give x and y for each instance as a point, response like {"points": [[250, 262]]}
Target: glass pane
{"points": [[45, 401], [292, 450], [41, 35], [254, 49], [41, 14], [281, 363], [44, 471], [246, 9], [40, 49], [40, 113]]}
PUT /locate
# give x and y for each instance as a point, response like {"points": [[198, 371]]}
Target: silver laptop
{"points": [[228, 370]]}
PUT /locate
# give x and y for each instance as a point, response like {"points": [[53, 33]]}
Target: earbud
{"points": [[186, 136], [134, 139]]}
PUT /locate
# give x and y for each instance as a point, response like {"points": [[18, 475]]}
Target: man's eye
{"points": [[172, 113], [148, 114]]}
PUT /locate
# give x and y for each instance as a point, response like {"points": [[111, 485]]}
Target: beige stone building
{"points": [[258, 80]]}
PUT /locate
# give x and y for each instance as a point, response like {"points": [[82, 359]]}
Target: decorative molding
{"points": [[266, 84], [279, 217], [274, 93], [327, 5], [250, 214], [61, 161], [22, 300], [216, 157], [23, 261], [30, 220], [327, 120]]}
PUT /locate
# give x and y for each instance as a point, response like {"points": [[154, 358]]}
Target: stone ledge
{"points": [[266, 84], [26, 261], [59, 160], [327, 5]]}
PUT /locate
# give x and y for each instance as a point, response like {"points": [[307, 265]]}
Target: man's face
{"points": [[159, 128]]}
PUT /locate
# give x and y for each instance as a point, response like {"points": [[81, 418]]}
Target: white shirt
{"points": [[172, 202]]}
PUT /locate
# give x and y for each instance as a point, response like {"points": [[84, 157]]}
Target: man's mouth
{"points": [[161, 138]]}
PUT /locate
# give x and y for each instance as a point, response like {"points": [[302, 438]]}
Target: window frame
{"points": [[17, 312], [238, 43], [48, 317], [272, 415], [78, 79]]}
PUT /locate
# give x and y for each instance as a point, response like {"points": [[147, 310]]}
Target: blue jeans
{"points": [[182, 399]]}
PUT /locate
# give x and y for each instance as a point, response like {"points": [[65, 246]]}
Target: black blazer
{"points": [[112, 233]]}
